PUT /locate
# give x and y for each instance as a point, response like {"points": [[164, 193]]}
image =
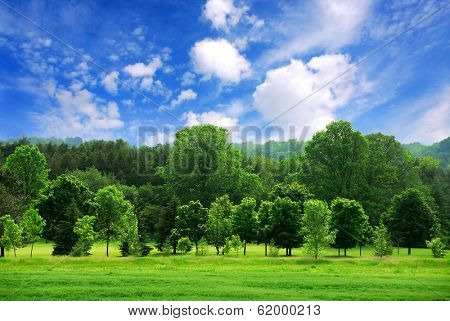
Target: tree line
{"points": [[345, 189]]}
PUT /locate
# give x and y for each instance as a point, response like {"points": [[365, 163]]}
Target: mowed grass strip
{"points": [[230, 277]]}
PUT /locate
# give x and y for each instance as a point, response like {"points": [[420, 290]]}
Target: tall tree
{"points": [[191, 221], [316, 224], [29, 166], [111, 206], [335, 159], [245, 222], [219, 225], [410, 219], [64, 201], [294, 191], [350, 221], [32, 226], [285, 220]]}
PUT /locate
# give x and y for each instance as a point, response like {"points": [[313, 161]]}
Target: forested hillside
{"points": [[439, 151], [201, 187]]}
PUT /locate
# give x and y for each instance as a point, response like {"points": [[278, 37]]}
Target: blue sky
{"points": [[102, 69]]}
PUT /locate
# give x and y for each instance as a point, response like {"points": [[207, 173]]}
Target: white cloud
{"points": [[184, 95], [235, 109], [79, 113], [137, 31], [128, 102], [222, 13], [143, 70], [221, 59], [431, 119], [325, 24], [114, 57], [146, 83], [110, 82], [209, 117], [188, 79], [290, 84]]}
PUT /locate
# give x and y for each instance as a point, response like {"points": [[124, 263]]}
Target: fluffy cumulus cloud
{"points": [[290, 84], [184, 95], [143, 70], [221, 59], [224, 15], [187, 79], [78, 112], [110, 82], [209, 117], [325, 24]]}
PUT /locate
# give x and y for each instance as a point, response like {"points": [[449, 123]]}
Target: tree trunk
{"points": [[287, 252], [360, 250], [196, 248], [265, 253], [14, 248], [245, 248], [290, 251], [409, 250], [345, 251], [174, 249], [107, 244], [339, 251], [398, 248], [2, 251], [217, 249], [32, 245]]}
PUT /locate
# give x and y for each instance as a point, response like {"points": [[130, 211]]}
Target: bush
{"points": [[202, 247], [145, 250], [166, 248], [227, 247], [184, 245], [273, 250], [235, 243], [437, 247]]}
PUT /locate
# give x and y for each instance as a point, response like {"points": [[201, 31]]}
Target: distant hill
{"points": [[440, 151], [272, 149]]}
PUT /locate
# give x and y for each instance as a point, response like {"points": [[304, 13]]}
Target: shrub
{"points": [[84, 230], [202, 247], [227, 247], [273, 250], [236, 243], [166, 248], [145, 250], [184, 245], [437, 247]]}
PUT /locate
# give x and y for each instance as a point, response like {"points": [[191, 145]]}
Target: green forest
{"points": [[343, 189]]}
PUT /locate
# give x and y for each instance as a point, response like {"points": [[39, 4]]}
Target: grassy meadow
{"points": [[229, 277]]}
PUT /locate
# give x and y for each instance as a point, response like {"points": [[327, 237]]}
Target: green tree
{"points": [[65, 200], [84, 230], [219, 225], [335, 160], [202, 247], [184, 245], [349, 220], [191, 221], [285, 221], [111, 207], [390, 169], [29, 166], [202, 166], [32, 225], [235, 243], [264, 224], [127, 231], [12, 234], [245, 221], [93, 178], [294, 191], [382, 241], [410, 218], [437, 247], [316, 224]]}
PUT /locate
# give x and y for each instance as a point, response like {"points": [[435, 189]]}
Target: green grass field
{"points": [[229, 277]]}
